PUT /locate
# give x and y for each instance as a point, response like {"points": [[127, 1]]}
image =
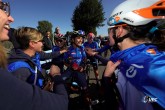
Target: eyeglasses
{"points": [[38, 41], [113, 28], [59, 40], [116, 26], [5, 7]]}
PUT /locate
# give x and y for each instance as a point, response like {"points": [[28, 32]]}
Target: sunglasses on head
{"points": [[4, 6]]}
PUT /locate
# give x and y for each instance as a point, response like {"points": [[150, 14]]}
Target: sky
{"points": [[58, 12]]}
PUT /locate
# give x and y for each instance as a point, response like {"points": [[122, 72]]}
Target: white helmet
{"points": [[137, 12]]}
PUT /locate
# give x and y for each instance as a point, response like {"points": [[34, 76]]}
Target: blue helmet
{"points": [[77, 34]]}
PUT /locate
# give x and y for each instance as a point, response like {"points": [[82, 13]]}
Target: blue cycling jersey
{"points": [[76, 55], [143, 66], [55, 48], [93, 45]]}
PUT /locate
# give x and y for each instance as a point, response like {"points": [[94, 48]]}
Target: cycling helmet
{"points": [[137, 12], [77, 34]]}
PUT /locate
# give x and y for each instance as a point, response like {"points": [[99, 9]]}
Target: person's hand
{"points": [[54, 70], [63, 51], [90, 51], [110, 68], [48, 86], [81, 69]]}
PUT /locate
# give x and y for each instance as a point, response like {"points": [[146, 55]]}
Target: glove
{"points": [[75, 66]]}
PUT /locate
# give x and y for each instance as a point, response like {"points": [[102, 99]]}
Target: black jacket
{"points": [[48, 45], [19, 95]]}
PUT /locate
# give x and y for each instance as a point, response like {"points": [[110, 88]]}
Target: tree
{"points": [[88, 15], [44, 26]]}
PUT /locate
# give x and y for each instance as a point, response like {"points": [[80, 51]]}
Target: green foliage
{"points": [[88, 16], [44, 26]]}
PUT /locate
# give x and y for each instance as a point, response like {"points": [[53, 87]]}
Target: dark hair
{"points": [[143, 33], [3, 57]]}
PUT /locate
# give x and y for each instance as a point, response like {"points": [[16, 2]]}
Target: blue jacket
{"points": [[141, 74], [93, 45], [27, 73], [23, 67]]}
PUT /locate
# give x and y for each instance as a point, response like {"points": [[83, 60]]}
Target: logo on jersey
{"points": [[73, 53], [132, 70]]}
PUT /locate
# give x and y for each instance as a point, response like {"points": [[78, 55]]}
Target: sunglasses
{"points": [[4, 6], [38, 41], [59, 40], [113, 28]]}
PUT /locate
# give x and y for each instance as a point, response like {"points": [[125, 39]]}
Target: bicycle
{"points": [[88, 71]]}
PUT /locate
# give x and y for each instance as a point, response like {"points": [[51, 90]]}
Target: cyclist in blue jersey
{"points": [[90, 43], [75, 59], [60, 44], [113, 48], [139, 65]]}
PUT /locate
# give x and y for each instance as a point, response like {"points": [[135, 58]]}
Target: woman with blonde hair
{"points": [[19, 95]]}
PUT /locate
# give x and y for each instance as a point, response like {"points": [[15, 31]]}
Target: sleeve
{"points": [[19, 95], [18, 73], [55, 49], [153, 82], [103, 60], [83, 53], [106, 47], [67, 59], [44, 56], [97, 46]]}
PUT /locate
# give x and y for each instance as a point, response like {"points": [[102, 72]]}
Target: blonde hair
{"points": [[3, 57], [26, 34]]}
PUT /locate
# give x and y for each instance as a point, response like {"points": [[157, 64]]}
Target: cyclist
{"points": [[94, 46], [60, 44], [75, 59], [139, 64]]}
